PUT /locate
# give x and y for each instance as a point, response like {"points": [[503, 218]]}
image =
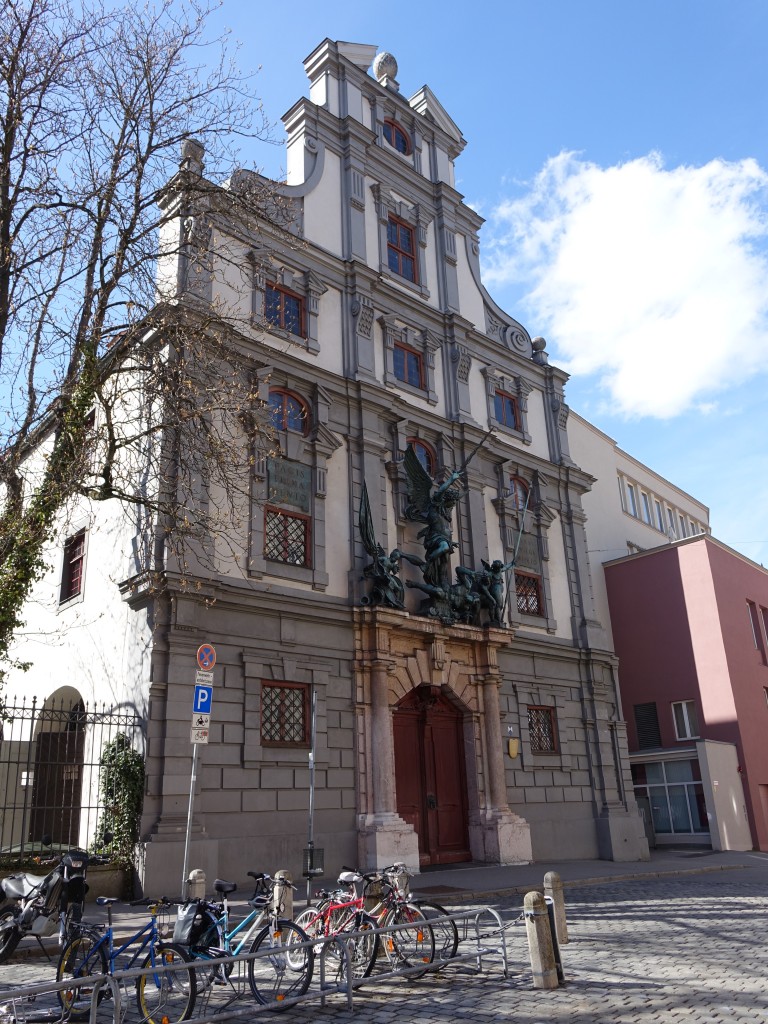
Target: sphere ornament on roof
{"points": [[384, 66]]}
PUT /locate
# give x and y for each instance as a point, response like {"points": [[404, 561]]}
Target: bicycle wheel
{"points": [[445, 932], [363, 945], [284, 967], [166, 997], [82, 958], [408, 947], [312, 922]]}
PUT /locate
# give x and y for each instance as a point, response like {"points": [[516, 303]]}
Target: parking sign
{"points": [[203, 700]]}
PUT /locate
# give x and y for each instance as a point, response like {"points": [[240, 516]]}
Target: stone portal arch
{"points": [[401, 659]]}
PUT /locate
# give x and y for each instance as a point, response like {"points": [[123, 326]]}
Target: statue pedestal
{"points": [[387, 839]]}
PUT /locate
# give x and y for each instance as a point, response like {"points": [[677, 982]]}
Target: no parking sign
{"points": [[206, 657]]}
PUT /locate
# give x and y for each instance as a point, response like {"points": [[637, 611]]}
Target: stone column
{"points": [[382, 752], [497, 787], [505, 837], [384, 837]]}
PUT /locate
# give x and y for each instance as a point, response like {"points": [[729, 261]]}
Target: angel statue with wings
{"points": [[384, 569], [432, 506]]}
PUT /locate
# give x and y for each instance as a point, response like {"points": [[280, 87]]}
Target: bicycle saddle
{"points": [[223, 887]]}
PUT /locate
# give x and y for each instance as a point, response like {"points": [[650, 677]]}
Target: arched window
{"points": [[397, 137], [288, 411], [518, 493], [424, 454]]}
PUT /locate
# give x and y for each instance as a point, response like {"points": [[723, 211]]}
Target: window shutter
{"points": [[647, 725]]}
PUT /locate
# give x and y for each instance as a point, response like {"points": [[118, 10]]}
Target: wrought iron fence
{"points": [[51, 796]]}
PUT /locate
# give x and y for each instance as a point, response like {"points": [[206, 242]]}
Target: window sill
{"points": [[70, 601], [278, 332], [409, 389], [390, 275], [520, 435]]}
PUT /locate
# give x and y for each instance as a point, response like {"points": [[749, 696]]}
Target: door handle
{"points": [[431, 802]]}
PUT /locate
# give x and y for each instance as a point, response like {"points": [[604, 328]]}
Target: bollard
{"points": [[282, 895], [196, 884], [540, 941], [553, 888]]}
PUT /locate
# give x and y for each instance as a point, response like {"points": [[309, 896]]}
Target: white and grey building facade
{"points": [[370, 329]]}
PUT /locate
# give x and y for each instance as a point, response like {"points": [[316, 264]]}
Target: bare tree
{"points": [[110, 387]]}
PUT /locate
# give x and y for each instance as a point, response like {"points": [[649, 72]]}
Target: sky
{"points": [[618, 152]]}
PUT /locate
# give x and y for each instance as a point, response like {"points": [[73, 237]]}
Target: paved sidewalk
{"points": [[684, 948], [474, 881]]}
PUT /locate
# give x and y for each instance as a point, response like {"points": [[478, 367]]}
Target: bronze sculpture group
{"points": [[473, 595]]}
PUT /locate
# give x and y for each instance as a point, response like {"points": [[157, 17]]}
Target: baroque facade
{"points": [[496, 738]]}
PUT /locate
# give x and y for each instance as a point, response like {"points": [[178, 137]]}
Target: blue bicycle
{"points": [[283, 969], [163, 996]]}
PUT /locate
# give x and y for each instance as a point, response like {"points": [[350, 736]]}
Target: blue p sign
{"points": [[203, 700]]}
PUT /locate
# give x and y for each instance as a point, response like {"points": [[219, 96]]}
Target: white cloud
{"points": [[655, 280]]}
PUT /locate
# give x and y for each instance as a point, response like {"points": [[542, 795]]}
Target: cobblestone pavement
{"points": [[685, 951]]}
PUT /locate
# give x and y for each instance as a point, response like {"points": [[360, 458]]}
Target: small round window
{"points": [[397, 137]]}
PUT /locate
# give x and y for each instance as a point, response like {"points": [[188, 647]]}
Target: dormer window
{"points": [[397, 137]]}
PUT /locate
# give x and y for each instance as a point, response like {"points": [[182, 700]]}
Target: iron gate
{"points": [[49, 772]]}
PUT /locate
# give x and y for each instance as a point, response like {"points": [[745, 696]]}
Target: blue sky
{"points": [[619, 153]]}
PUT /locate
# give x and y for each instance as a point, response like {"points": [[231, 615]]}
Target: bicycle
{"points": [[445, 932], [342, 909], [203, 929], [163, 996], [341, 915]]}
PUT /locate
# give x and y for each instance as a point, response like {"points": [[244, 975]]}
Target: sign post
{"points": [[201, 720]]}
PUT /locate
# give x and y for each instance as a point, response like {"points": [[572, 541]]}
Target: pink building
{"points": [[690, 628]]}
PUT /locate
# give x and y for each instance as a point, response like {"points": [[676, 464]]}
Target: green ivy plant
{"points": [[121, 783]]}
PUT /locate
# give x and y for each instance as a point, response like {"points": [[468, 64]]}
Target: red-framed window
{"points": [[401, 249], [425, 454], [73, 567], [288, 411], [287, 537], [284, 714], [284, 309], [518, 493], [397, 137], [528, 592], [506, 410], [542, 730], [409, 365]]}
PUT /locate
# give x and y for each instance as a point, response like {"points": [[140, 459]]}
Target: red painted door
{"points": [[430, 775]]}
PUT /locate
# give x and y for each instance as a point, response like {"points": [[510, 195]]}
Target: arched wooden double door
{"points": [[430, 775]]}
